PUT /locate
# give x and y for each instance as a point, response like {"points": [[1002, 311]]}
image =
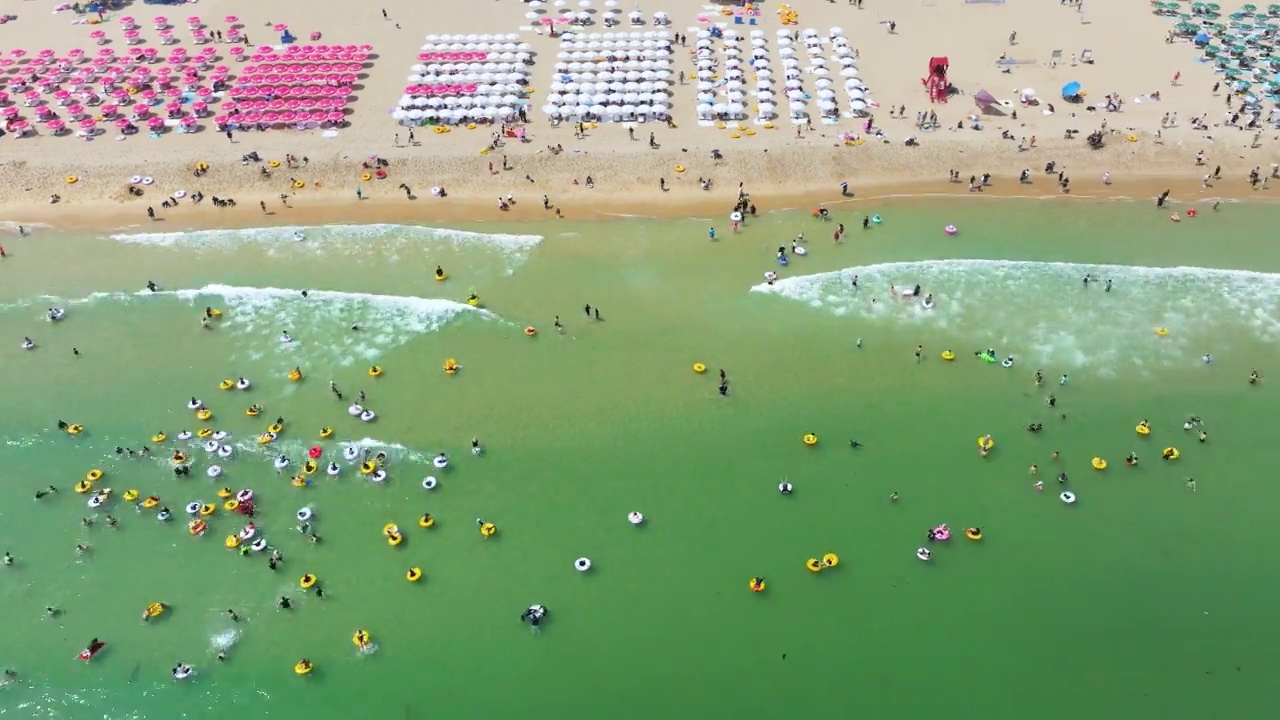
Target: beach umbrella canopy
{"points": [[985, 99], [1071, 89]]}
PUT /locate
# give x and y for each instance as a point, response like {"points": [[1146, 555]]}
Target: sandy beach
{"points": [[794, 164]]}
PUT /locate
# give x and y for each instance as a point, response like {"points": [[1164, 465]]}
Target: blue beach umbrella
{"points": [[1201, 38], [1071, 89]]}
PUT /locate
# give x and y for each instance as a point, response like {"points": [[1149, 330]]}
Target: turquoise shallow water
{"points": [[1143, 598]]}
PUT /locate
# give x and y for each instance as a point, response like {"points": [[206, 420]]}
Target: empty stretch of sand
{"points": [[1116, 50]]}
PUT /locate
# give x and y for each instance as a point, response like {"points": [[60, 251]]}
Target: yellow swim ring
{"points": [[809, 439], [394, 539], [207, 509], [84, 486], [309, 467], [756, 584], [274, 163], [204, 432], [488, 529], [179, 458], [830, 560], [974, 534], [375, 370], [360, 638], [130, 495], [749, 131], [734, 136], [226, 384], [367, 467], [93, 475], [1161, 331], [206, 414], [985, 444], [813, 565], [75, 429], [307, 581], [150, 502], [159, 437], [679, 168], [266, 439], [768, 126], [230, 505], [275, 428], [252, 411], [299, 481], [390, 528], [1142, 430], [450, 366], [295, 375], [426, 520], [1171, 453], [1132, 138], [303, 667], [225, 492], [326, 431], [72, 179], [699, 368], [298, 184], [948, 355], [413, 574], [1099, 464], [232, 542], [366, 177]]}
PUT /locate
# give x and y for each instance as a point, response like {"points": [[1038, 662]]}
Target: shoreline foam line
{"points": [[303, 234]]}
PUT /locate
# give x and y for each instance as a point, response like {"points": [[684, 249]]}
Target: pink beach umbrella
{"points": [[148, 94], [99, 35], [280, 27], [336, 116], [131, 36], [47, 53], [44, 112], [160, 22], [75, 111], [20, 127], [188, 121], [109, 110], [231, 19], [288, 116], [151, 53], [56, 125], [199, 108], [194, 22], [155, 122], [123, 123], [127, 22], [17, 53], [62, 96], [237, 52], [88, 124], [173, 93], [10, 112]]}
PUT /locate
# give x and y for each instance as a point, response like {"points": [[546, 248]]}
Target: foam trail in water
{"points": [[344, 239], [321, 324], [1043, 313]]}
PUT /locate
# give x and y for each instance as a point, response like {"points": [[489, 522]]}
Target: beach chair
{"points": [[1086, 56], [1054, 58]]}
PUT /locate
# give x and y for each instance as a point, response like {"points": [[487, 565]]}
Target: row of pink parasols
{"points": [[298, 91], [357, 57], [267, 69], [452, 56], [332, 104]]}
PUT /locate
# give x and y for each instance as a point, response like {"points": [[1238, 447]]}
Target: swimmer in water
{"points": [[1039, 486], [1208, 359], [1254, 377], [854, 444], [475, 446], [285, 337], [893, 497], [1062, 478], [1132, 459], [1203, 436], [1062, 380], [1191, 483]]}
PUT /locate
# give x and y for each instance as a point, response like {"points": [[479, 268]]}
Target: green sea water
{"points": [[1144, 598]]}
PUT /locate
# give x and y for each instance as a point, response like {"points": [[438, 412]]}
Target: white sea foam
{"points": [[1042, 313], [346, 239], [320, 323]]}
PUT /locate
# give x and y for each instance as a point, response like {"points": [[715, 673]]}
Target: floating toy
{"points": [[367, 467], [440, 461], [1170, 453], [948, 355], [1162, 331], [226, 384], [303, 667], [214, 471], [679, 168], [150, 502], [225, 492], [830, 560], [130, 495], [875, 219], [379, 476], [197, 527], [295, 375], [375, 371], [699, 368], [93, 475], [308, 581], [304, 514], [193, 508], [178, 458], [309, 467], [413, 574], [473, 300], [1174, 217], [635, 518], [1143, 429], [232, 542], [530, 331], [813, 565], [1191, 212], [242, 384], [394, 539], [204, 433], [205, 414], [325, 432], [941, 533], [252, 411], [973, 533], [950, 230], [756, 584], [809, 439], [429, 483], [75, 429], [158, 437], [275, 428], [986, 442], [426, 521], [155, 609], [924, 554], [1099, 464], [450, 366], [360, 639], [230, 505], [440, 275], [487, 529], [582, 564], [1067, 497]]}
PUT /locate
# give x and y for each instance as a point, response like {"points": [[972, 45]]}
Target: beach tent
{"points": [[936, 84]]}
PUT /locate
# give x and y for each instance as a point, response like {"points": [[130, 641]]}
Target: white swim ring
{"points": [[368, 416], [214, 471], [379, 476], [225, 451], [350, 452], [440, 461], [193, 508], [334, 468], [429, 482], [304, 514], [582, 564], [354, 410], [210, 446], [635, 518], [281, 462]]}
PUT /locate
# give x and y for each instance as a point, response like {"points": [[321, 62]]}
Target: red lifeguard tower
{"points": [[936, 84]]}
